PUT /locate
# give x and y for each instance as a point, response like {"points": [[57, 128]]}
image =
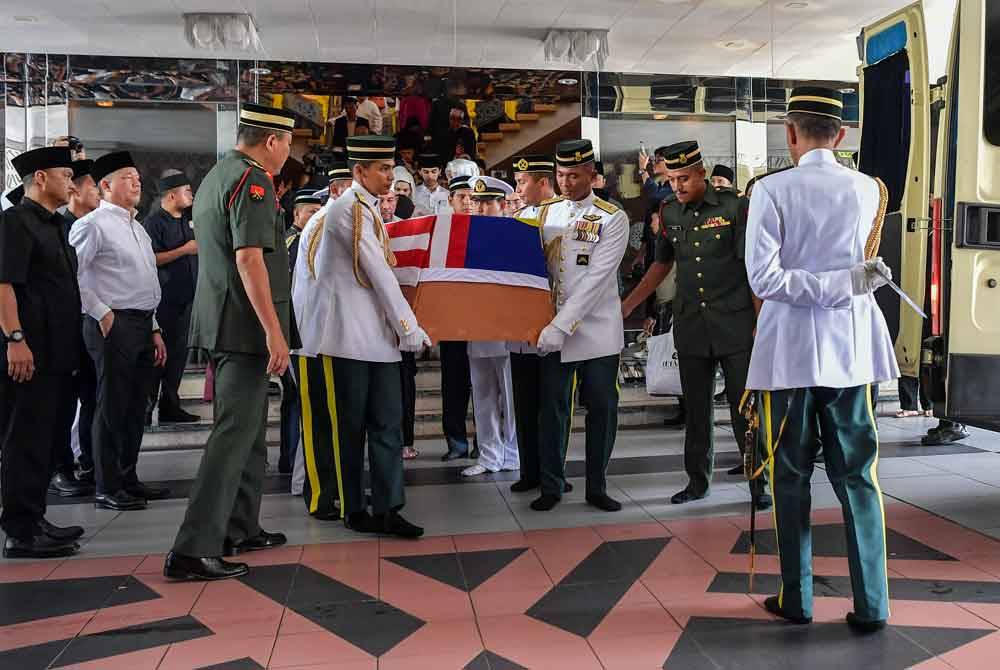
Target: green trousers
{"points": [[369, 407], [225, 499], [320, 447], [525, 375], [598, 378], [846, 422], [698, 384]]}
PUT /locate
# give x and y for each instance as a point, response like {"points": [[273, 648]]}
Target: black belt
{"points": [[137, 313]]}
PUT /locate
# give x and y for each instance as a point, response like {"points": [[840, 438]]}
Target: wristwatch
{"points": [[16, 336]]}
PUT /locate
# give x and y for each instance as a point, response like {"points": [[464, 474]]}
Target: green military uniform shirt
{"points": [[235, 208], [713, 309]]}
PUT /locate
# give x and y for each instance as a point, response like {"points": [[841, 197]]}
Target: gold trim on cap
{"points": [[385, 150], [816, 98], [267, 118], [683, 157], [576, 157]]}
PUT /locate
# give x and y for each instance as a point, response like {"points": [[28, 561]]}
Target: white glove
{"points": [[552, 339], [870, 275], [415, 341]]}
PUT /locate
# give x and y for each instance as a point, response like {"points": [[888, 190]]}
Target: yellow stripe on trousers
{"points": [[768, 436], [878, 489], [331, 403], [307, 436]]}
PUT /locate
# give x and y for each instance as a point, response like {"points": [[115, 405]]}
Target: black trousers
{"points": [[124, 363], [174, 320], [84, 390], [291, 418], [408, 380], [28, 423], [910, 392], [456, 391], [323, 484], [526, 375]]}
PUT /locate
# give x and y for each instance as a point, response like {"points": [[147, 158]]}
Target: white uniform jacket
{"points": [[585, 242], [342, 317], [304, 285], [807, 228]]}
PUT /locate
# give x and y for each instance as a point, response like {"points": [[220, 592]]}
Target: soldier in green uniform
{"points": [[714, 311], [241, 318]]}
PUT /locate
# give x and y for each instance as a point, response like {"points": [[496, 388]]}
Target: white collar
{"points": [[586, 202], [817, 156], [114, 209], [364, 193]]}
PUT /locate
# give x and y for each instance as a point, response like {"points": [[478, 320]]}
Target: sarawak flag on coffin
{"points": [[473, 278]]}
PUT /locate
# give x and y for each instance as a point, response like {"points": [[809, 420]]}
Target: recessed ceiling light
{"points": [[26, 19], [259, 71], [567, 81], [105, 103], [796, 5]]}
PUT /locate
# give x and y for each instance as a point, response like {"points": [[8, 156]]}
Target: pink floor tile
{"points": [[367, 551], [721, 605], [359, 575], [534, 644], [96, 567], [637, 652], [456, 640], [988, 612], [978, 655], [175, 600], [276, 556], [960, 571], [525, 570], [988, 563], [673, 589], [506, 600], [631, 531], [486, 541], [216, 649], [26, 571], [151, 564], [932, 664], [43, 630], [677, 560], [147, 659], [293, 623], [234, 609], [421, 596], [316, 649], [639, 620], [941, 615], [426, 545], [561, 550], [340, 665]]}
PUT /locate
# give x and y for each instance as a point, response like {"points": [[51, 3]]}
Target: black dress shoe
{"points": [[87, 477], [188, 568], [68, 486], [685, 496], [62, 534], [395, 525], [937, 437], [455, 455], [120, 501], [735, 471], [39, 546], [771, 605], [362, 522], [263, 540], [865, 626], [567, 487], [522, 485], [140, 490], [178, 416], [332, 515], [604, 502], [544, 502]]}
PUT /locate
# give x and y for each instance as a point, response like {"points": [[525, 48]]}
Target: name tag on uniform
{"points": [[587, 231], [716, 222]]}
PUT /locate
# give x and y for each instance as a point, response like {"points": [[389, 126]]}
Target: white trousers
{"points": [[493, 407]]}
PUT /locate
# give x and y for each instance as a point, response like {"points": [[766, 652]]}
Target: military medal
{"points": [[587, 231], [256, 192]]}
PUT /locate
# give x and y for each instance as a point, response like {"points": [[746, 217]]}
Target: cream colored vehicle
{"points": [[938, 150]]}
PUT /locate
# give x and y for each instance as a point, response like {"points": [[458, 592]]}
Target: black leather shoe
{"points": [[361, 522], [264, 540], [865, 626], [120, 501], [68, 486], [734, 471], [544, 502], [188, 568], [140, 490], [521, 485], [567, 487], [39, 546], [604, 502], [87, 477], [395, 525], [67, 534], [685, 496], [455, 455], [178, 416], [332, 515], [941, 436], [771, 605]]}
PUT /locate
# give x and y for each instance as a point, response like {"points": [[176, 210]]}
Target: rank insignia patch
{"points": [[583, 259], [256, 192], [716, 222], [592, 217]]}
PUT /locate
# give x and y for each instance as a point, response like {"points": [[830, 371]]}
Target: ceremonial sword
{"points": [[895, 287]]}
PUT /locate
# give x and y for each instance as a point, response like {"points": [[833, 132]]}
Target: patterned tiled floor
{"points": [[640, 596]]}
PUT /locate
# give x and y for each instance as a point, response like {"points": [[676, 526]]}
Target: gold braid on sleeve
{"points": [[312, 246], [875, 237], [380, 233]]}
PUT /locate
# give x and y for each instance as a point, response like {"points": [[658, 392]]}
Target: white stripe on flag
{"points": [[407, 276], [466, 275], [410, 242], [440, 240]]}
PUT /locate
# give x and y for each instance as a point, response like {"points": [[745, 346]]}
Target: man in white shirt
{"points": [[821, 343], [430, 175], [369, 110], [120, 290]]}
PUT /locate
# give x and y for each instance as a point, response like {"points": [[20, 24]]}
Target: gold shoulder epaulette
{"points": [[605, 206], [550, 201], [292, 239]]}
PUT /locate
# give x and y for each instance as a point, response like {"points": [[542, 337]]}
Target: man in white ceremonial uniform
{"points": [[489, 366], [357, 323], [821, 343], [585, 240]]}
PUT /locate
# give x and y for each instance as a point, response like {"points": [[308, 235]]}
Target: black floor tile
{"points": [[479, 566], [131, 638], [239, 664], [35, 657], [831, 540], [623, 560], [311, 587], [441, 567], [273, 581], [30, 601], [371, 625], [487, 660], [464, 571]]}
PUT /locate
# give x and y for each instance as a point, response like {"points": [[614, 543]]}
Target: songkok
{"points": [[270, 118], [429, 160], [682, 155], [724, 171], [489, 188], [817, 100], [339, 170], [307, 196], [534, 163], [108, 163], [173, 181], [44, 158], [371, 148], [458, 183], [574, 152], [82, 168], [15, 195]]}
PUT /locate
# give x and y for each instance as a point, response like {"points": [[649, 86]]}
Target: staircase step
{"points": [[509, 127], [490, 137], [544, 107], [528, 116]]}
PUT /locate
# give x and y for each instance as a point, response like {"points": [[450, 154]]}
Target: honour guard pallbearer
{"points": [[39, 316], [821, 343], [357, 324], [585, 239], [714, 309], [241, 317]]}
